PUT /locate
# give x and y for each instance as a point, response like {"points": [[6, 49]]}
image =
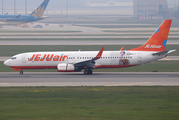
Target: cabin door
{"points": [[139, 57], [24, 58]]}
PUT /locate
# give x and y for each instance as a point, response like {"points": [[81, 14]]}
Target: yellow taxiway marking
{"points": [[166, 59], [3, 83], [130, 84]]}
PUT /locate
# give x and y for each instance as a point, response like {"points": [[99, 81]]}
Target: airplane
{"points": [[36, 15], [75, 61]]}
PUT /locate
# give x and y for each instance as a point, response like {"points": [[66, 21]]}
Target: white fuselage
{"points": [[109, 59]]}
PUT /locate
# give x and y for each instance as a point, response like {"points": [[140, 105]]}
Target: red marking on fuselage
{"points": [[55, 66], [65, 56], [56, 57], [37, 57], [32, 58], [43, 57], [48, 57]]}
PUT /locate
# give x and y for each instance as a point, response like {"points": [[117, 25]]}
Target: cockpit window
{"points": [[13, 58]]}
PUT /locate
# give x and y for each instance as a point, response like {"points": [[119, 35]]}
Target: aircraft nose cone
{"points": [[6, 62]]}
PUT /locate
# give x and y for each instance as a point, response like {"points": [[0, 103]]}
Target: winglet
{"points": [[170, 51], [99, 54], [122, 49]]}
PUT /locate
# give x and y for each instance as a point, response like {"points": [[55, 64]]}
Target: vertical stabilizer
{"points": [[40, 10], [157, 42]]}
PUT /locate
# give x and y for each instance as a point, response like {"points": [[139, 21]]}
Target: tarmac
{"points": [[96, 79]]}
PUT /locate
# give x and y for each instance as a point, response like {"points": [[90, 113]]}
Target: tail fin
{"points": [[40, 10], [158, 40]]}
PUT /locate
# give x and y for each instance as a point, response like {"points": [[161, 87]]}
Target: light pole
{"points": [[2, 6], [25, 7], [67, 10], [14, 7]]}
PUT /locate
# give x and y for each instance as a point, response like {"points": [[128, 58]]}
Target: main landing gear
{"points": [[88, 72], [21, 72]]}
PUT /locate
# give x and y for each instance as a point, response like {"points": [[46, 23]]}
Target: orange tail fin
{"points": [[158, 40]]}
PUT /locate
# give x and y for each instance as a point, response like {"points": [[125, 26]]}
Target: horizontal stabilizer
{"points": [[166, 52], [45, 17], [170, 51]]}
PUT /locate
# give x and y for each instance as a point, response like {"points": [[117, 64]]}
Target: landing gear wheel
{"points": [[21, 72], [88, 72]]}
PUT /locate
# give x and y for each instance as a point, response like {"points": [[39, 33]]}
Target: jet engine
{"points": [[65, 67]]}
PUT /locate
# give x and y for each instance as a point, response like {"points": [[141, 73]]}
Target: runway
{"points": [[97, 79]]}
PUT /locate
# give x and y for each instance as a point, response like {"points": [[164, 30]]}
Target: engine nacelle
{"points": [[64, 67]]}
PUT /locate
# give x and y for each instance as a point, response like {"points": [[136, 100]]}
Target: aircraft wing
{"points": [[90, 63], [5, 19]]}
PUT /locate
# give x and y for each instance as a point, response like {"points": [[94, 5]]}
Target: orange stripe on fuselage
{"points": [[55, 67], [114, 66]]}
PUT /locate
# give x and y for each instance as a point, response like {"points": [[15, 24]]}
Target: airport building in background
{"points": [[150, 9]]}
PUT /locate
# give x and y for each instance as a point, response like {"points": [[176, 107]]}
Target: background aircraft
{"points": [[76, 61], [21, 19]]}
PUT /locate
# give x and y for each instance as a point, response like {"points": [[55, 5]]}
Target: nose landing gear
{"points": [[88, 72], [21, 72]]}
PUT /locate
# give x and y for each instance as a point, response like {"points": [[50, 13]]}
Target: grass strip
{"points": [[158, 66], [89, 103], [10, 50]]}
